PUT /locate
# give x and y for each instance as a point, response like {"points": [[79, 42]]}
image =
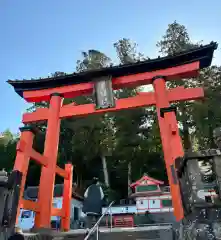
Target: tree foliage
{"points": [[8, 143]]}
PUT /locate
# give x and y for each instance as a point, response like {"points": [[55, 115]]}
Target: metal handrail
{"points": [[98, 222]]}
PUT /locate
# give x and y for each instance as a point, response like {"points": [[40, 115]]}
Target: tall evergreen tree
{"points": [[199, 118], [94, 132], [175, 40], [132, 124]]}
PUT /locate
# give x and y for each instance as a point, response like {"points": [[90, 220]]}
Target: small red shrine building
{"points": [[151, 195]]}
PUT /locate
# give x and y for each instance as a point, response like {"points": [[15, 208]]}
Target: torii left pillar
{"points": [[47, 179], [23, 158]]}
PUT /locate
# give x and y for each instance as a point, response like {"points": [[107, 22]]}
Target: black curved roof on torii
{"points": [[203, 54]]}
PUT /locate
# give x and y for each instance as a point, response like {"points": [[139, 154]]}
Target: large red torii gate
{"points": [[157, 71]]}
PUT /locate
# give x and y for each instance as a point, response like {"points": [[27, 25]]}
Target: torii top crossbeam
{"points": [[157, 71], [129, 75]]}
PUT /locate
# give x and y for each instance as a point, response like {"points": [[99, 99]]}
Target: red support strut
{"points": [[67, 195]]}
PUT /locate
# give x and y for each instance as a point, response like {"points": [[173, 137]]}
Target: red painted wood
{"points": [[142, 100], [67, 195], [22, 161], [171, 142], [46, 186], [146, 178], [175, 73]]}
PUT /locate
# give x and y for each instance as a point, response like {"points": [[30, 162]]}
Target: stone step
{"points": [[145, 233]]}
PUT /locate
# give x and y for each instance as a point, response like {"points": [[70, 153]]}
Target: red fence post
{"points": [[46, 187], [67, 197], [23, 158], [171, 141]]}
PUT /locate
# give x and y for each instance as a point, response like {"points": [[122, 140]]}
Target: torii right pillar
{"points": [[171, 140]]}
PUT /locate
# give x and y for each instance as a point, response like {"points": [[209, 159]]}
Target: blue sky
{"points": [[44, 36]]}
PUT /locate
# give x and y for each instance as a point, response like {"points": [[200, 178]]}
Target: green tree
{"points": [[206, 114], [199, 117], [127, 51], [8, 143], [92, 60], [175, 40], [6, 137], [93, 135], [131, 126]]}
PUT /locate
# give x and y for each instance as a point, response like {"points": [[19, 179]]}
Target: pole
{"points": [[23, 158], [171, 141], [46, 187]]}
